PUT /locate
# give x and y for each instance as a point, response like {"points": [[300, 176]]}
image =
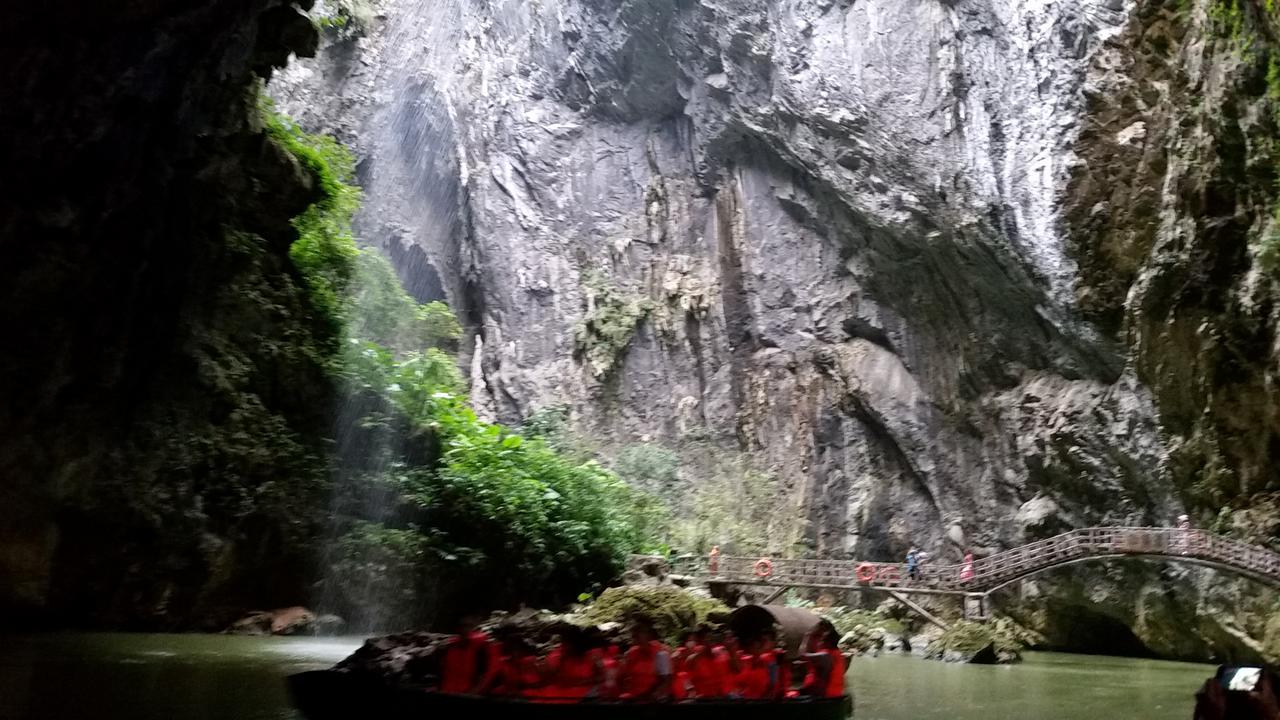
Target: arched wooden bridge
{"points": [[991, 573]]}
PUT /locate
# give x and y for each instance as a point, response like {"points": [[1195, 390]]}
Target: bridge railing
{"points": [[995, 570]]}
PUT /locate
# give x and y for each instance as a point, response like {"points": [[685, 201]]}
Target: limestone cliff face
{"points": [[1174, 210], [834, 240]]}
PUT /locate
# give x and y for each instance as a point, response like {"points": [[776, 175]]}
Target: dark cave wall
{"points": [[161, 459]]}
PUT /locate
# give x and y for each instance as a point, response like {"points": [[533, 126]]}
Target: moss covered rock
{"points": [[672, 609], [982, 643]]}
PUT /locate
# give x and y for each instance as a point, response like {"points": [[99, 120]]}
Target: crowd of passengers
{"points": [[706, 664]]}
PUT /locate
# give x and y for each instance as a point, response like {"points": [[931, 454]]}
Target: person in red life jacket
{"points": [[757, 670], [681, 686], [518, 673], [825, 675], [646, 666], [471, 660], [573, 669], [611, 665], [705, 666], [681, 651], [776, 661], [724, 655]]}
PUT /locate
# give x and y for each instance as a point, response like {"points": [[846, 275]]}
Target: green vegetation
{"points": [[325, 251], [348, 17], [734, 505], [847, 620], [1228, 18], [1248, 29], [671, 609], [504, 517], [383, 313], [608, 325], [652, 468]]}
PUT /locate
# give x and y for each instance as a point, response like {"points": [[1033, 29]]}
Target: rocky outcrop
{"points": [[853, 248], [1174, 204], [161, 460], [1171, 211]]}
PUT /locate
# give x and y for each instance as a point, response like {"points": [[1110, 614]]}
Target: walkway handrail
{"points": [[995, 571]]}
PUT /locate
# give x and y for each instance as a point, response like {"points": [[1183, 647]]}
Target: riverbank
{"points": [[223, 677]]}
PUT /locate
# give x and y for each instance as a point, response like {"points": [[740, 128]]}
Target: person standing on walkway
{"points": [[1184, 534], [713, 560], [966, 570], [913, 563]]}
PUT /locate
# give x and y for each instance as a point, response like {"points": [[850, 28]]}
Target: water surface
{"points": [[1048, 686], [155, 677], [222, 677]]}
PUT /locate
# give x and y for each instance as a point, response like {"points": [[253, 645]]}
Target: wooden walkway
{"points": [[996, 571]]}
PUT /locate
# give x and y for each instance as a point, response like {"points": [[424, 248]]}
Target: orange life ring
{"points": [[866, 573], [763, 568]]}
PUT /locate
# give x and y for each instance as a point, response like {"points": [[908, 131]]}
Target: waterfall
{"points": [[407, 166]]}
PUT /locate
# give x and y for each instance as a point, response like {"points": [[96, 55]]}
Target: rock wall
{"points": [[161, 461], [848, 242], [1174, 209]]}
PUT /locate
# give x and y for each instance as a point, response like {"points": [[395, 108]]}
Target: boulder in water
{"points": [[920, 644], [295, 620], [255, 623], [329, 624], [893, 643]]}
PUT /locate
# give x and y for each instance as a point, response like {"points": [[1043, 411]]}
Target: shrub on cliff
{"points": [[507, 517], [325, 251]]}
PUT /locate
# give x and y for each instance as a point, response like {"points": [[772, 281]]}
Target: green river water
{"points": [[219, 677]]}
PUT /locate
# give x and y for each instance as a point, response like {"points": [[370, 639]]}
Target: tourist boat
{"points": [[337, 695]]}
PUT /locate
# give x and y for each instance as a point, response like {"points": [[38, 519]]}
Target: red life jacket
{"points": [[640, 668], [835, 681], [517, 676], [723, 663], [753, 678], [468, 663], [705, 672], [682, 686], [572, 676], [678, 658]]}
